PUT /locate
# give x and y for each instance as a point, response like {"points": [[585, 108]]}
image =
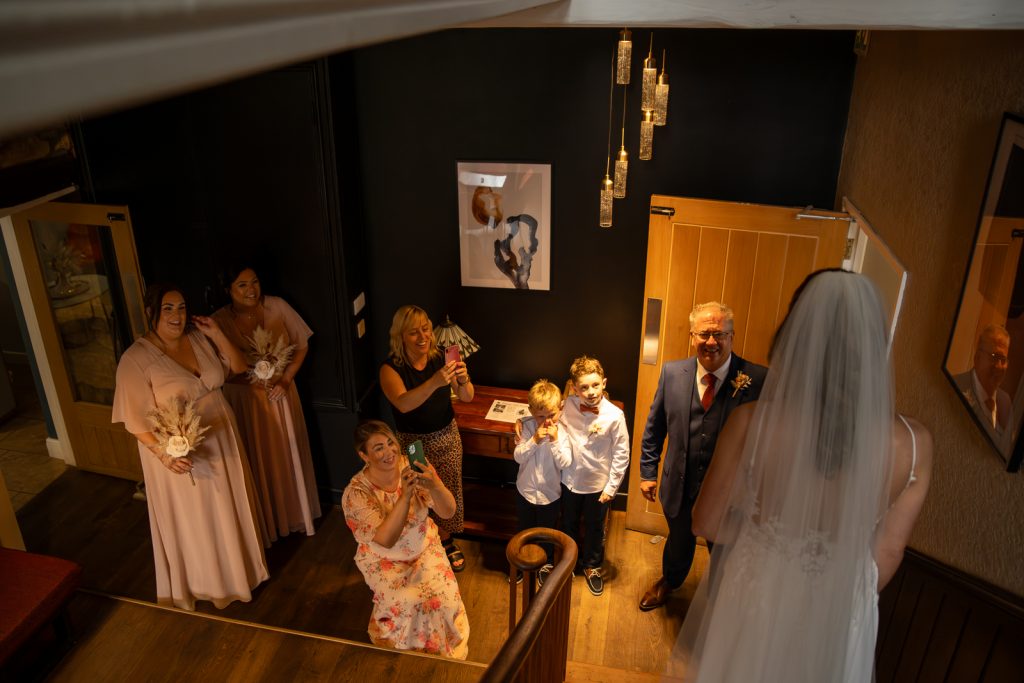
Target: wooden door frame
{"points": [[60, 446], [66, 411]]}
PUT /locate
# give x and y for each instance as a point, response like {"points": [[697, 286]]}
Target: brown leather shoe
{"points": [[656, 595]]}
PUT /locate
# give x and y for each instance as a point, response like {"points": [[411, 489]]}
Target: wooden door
{"points": [[83, 280], [747, 256]]}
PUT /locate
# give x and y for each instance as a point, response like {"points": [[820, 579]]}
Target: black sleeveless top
{"points": [[433, 414]]}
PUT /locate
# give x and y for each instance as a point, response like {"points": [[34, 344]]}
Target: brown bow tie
{"points": [[584, 408]]}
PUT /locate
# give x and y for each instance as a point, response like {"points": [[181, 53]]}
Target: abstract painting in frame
{"points": [[505, 224]]}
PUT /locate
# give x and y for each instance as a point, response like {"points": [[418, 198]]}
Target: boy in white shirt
{"points": [[542, 451], [597, 433]]}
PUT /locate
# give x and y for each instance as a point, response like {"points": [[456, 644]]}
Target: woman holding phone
{"points": [[416, 600], [418, 381]]}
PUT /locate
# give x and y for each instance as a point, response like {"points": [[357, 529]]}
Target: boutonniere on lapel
{"points": [[740, 383], [595, 429]]}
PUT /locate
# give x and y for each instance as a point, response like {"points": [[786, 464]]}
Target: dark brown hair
{"points": [[154, 298]]}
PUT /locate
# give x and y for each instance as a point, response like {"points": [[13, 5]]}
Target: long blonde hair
{"points": [[402, 321]]}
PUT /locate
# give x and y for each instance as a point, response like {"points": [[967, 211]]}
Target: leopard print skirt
{"points": [[443, 449]]}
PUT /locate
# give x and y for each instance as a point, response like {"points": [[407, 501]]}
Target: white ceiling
{"points": [[65, 58]]}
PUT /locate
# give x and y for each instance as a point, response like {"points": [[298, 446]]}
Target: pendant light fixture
{"points": [[661, 95], [649, 77], [605, 214], [625, 57], [647, 136], [622, 162], [606, 200]]}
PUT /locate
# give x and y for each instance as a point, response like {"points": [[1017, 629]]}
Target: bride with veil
{"points": [[810, 501]]}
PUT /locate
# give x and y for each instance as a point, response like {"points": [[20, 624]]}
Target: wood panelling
{"points": [[938, 625], [737, 291], [764, 297], [125, 641]]}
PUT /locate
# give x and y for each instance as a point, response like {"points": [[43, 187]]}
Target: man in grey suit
{"points": [[693, 400], [981, 386]]}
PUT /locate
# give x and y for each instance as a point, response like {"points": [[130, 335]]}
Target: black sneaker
{"points": [[519, 578], [594, 581], [542, 573]]}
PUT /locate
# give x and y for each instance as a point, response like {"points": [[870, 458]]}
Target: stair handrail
{"points": [[526, 656]]}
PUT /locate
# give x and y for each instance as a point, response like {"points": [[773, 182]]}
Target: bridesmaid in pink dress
{"points": [[270, 416], [206, 545]]}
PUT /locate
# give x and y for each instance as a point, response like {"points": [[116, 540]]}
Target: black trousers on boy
{"points": [[593, 513], [529, 515]]}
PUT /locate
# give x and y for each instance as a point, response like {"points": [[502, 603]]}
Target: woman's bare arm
{"points": [[898, 523]]}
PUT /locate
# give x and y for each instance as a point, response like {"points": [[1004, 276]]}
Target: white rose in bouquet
{"points": [[268, 355], [178, 428], [263, 370], [178, 447]]}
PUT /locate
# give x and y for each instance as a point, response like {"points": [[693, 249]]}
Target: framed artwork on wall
{"points": [[504, 224], [985, 357]]}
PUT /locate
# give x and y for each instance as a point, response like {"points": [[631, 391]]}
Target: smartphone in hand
{"points": [[452, 353], [417, 458]]}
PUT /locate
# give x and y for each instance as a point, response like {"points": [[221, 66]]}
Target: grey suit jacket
{"points": [[1004, 411], [670, 416]]}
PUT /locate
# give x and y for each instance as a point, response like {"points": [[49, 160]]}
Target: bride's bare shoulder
{"points": [[904, 446]]}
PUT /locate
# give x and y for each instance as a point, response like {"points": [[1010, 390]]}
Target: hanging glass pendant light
{"points": [[606, 200], [647, 136], [625, 59], [621, 171], [605, 213], [622, 162], [661, 95], [649, 77]]}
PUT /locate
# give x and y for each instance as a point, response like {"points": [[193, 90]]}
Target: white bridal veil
{"points": [[791, 590]]}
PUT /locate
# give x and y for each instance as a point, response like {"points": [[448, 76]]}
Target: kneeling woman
{"points": [[416, 600]]}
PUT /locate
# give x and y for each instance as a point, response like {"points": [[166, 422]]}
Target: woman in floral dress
{"points": [[416, 600]]}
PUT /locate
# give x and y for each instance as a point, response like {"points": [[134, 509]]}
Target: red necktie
{"points": [[584, 408], [709, 393]]}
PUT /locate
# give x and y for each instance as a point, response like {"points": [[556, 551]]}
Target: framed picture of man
{"points": [[985, 357], [504, 224]]}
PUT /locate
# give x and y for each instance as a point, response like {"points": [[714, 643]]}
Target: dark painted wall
{"points": [[754, 116], [247, 170]]}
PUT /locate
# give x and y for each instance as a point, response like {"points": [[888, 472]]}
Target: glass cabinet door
{"points": [[86, 292]]}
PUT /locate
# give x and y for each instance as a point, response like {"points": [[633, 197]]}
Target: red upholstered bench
{"points": [[33, 591]]}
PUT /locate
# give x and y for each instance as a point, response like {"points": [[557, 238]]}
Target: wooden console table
{"points": [[481, 436], [490, 508]]}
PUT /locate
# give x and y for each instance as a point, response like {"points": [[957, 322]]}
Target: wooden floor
{"points": [[316, 588]]}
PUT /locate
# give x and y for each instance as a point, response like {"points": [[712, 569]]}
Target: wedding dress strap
{"points": [[913, 454]]}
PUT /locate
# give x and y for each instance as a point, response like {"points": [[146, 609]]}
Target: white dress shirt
{"points": [[600, 447], [540, 464], [720, 375]]}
